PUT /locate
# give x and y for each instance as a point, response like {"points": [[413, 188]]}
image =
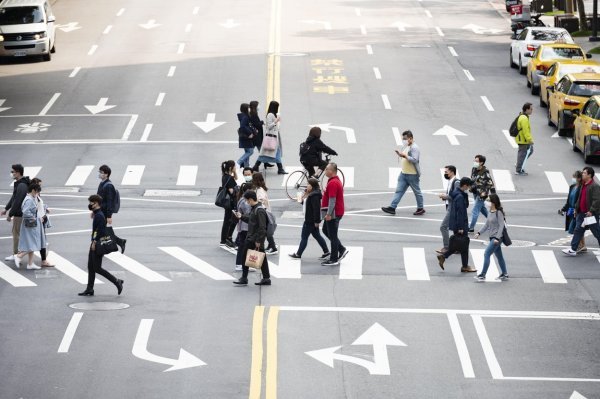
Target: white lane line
{"points": [[487, 103], [195, 10], [461, 346], [50, 104], [439, 31], [477, 255], [511, 140], [486, 345], [79, 175], [503, 180], [415, 264], [171, 71], [93, 49], [187, 175], [188, 28], [14, 278], [386, 101], [377, 73], [120, 12], [159, 99], [363, 30], [428, 13], [397, 136], [75, 72], [133, 175], [369, 49], [357, 12], [180, 48], [129, 127], [287, 267], [452, 51], [468, 75], [196, 263], [69, 268], [558, 182], [107, 30], [65, 344], [146, 133], [548, 266], [136, 268], [351, 266]]}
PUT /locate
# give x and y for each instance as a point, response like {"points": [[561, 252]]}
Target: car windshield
{"points": [[561, 53], [565, 69], [585, 89], [20, 15], [546, 35]]}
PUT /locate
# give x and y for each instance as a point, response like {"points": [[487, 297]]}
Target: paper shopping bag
{"points": [[254, 259]]}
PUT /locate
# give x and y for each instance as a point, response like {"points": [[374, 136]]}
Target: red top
{"points": [[583, 199], [334, 189]]}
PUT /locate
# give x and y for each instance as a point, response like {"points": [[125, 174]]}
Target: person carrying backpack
{"points": [[311, 151], [111, 202], [524, 139]]}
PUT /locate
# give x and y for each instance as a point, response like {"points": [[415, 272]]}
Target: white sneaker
{"points": [[17, 261], [238, 268], [9, 258], [33, 267], [569, 251]]}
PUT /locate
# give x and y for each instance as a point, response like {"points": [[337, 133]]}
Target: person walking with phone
{"points": [[495, 225]]}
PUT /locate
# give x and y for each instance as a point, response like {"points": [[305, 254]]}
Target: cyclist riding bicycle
{"points": [[311, 152]]}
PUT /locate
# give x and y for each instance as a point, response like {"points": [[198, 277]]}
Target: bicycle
{"points": [[298, 180]]}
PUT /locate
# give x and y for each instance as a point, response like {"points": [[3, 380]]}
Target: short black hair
{"points": [[244, 108], [407, 133], [526, 106], [481, 158], [247, 168], [95, 198], [105, 169], [451, 168], [18, 168], [34, 186], [250, 194], [465, 181], [589, 170]]}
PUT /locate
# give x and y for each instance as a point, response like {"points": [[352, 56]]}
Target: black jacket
{"points": [[245, 131], [107, 191], [98, 225], [313, 207], [16, 200], [257, 224], [459, 219], [316, 148], [257, 124]]}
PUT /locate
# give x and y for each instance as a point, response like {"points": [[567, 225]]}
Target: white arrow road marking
{"points": [[2, 101], [450, 133], [185, 360], [230, 23], [151, 24], [378, 337], [209, 124], [401, 26], [326, 24], [480, 30], [70, 27], [100, 107], [577, 395], [326, 127]]}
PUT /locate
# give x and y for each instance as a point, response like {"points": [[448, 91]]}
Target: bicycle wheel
{"points": [[296, 182], [324, 179]]}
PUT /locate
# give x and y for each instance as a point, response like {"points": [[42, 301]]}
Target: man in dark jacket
{"points": [[459, 224], [13, 207], [587, 206], [107, 191], [313, 150], [255, 238]]}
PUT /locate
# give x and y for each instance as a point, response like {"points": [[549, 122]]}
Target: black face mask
{"points": [[446, 176], [90, 207]]}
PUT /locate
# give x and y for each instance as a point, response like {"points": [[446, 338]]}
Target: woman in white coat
{"points": [[271, 149], [32, 238]]}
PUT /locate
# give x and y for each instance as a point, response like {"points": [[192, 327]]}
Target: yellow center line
{"points": [[271, 378], [257, 353], [274, 59]]}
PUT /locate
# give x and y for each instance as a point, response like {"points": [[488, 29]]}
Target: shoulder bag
{"points": [[505, 238], [223, 198]]}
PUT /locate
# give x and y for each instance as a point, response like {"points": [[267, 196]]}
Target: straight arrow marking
{"points": [[2, 101], [209, 124], [326, 127], [100, 107], [450, 133]]}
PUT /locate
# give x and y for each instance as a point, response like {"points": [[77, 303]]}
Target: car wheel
{"points": [[53, 49], [47, 57], [575, 148], [561, 132], [542, 103], [534, 89], [587, 158], [521, 69], [549, 117], [512, 63]]}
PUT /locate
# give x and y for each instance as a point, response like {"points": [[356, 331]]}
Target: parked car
{"points": [[586, 135], [570, 93], [545, 55], [559, 69], [529, 39]]}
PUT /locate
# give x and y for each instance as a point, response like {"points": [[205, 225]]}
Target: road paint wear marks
{"points": [[468, 75], [14, 278], [503, 180], [428, 13], [363, 30], [180, 48], [415, 264], [133, 175], [187, 175], [49, 105], [107, 30], [439, 31], [93, 49], [271, 375], [558, 182], [486, 345], [287, 267], [369, 49], [351, 265], [377, 73], [75, 72], [548, 266], [490, 276], [159, 99], [196, 263], [487, 103], [129, 127], [452, 51], [69, 268], [188, 28], [386, 101], [461, 346], [136, 268], [511, 140], [79, 175], [65, 344], [120, 12], [397, 136], [329, 76], [171, 71], [257, 353]]}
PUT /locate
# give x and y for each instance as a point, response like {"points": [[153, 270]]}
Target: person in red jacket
{"points": [[332, 206]]}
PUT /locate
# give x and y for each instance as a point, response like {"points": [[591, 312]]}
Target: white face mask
{"points": [[405, 143], [248, 179], [573, 181], [476, 164], [12, 176], [488, 205]]}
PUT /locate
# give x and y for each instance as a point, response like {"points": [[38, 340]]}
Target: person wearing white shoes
{"points": [[13, 206], [587, 209], [32, 237], [495, 225]]}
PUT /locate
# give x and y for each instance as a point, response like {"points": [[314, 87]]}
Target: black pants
{"points": [[310, 166], [464, 255], [264, 267], [95, 266], [240, 240], [330, 229], [228, 226], [111, 233]]}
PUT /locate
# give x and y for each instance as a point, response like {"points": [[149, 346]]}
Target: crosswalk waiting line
{"points": [[79, 175], [196, 263], [477, 255], [69, 268], [136, 268], [351, 266], [31, 171], [503, 180], [187, 175], [548, 266], [558, 182], [415, 264], [14, 278], [287, 267], [133, 175]]}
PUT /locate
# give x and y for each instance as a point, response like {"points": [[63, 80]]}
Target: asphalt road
{"points": [[153, 90]]}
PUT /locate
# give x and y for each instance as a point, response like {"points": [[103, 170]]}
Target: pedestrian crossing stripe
{"points": [[69, 268], [14, 278], [503, 180], [136, 268], [196, 263], [548, 267], [31, 171], [478, 257]]}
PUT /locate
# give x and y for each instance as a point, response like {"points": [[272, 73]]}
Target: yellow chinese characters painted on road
{"points": [[329, 76]]}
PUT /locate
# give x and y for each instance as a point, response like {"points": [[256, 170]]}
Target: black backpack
{"points": [[513, 130], [304, 149]]}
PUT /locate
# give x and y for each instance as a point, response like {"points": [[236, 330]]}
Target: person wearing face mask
{"points": [[242, 209], [258, 126], [495, 225], [95, 260], [271, 150], [32, 237], [246, 133], [459, 224], [483, 185], [409, 176], [453, 182], [13, 206], [568, 210], [108, 193]]}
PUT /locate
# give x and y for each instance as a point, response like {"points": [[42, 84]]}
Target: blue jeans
{"points": [[245, 158], [405, 181], [496, 249], [580, 231], [307, 230], [478, 206], [278, 154]]}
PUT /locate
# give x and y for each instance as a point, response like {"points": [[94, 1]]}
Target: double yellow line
{"points": [[274, 59], [257, 368]]}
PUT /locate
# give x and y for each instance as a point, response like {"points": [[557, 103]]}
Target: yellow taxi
{"points": [[570, 93], [546, 55], [586, 136], [560, 69]]}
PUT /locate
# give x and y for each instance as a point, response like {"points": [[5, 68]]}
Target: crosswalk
{"points": [[415, 264]]}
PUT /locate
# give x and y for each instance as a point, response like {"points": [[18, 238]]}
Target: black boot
{"points": [[86, 293], [280, 170], [256, 166]]}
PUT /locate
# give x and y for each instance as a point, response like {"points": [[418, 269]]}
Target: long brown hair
{"points": [[258, 181]]}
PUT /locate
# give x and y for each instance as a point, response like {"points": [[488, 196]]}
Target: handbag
{"points": [[223, 198], [254, 259], [106, 245], [270, 142], [30, 222], [505, 238], [458, 243]]}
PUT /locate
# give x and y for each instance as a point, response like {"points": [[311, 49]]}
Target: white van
{"points": [[27, 28]]}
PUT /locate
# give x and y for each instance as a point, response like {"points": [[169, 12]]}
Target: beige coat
{"points": [[271, 127]]}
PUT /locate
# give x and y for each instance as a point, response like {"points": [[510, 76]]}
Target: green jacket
{"points": [[524, 136]]}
